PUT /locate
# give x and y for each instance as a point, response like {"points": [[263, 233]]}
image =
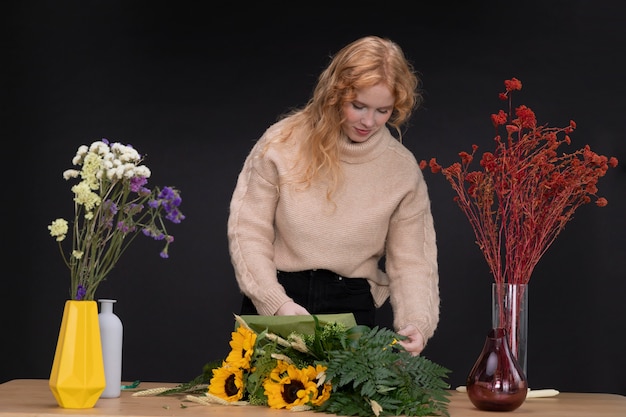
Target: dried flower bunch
{"points": [[526, 191], [111, 206]]}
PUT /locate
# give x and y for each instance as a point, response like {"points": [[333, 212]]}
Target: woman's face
{"points": [[368, 112]]}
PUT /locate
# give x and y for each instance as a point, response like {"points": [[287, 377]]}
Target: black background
{"points": [[193, 87]]}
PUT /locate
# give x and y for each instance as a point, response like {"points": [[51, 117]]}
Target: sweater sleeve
{"points": [[251, 231], [411, 262]]}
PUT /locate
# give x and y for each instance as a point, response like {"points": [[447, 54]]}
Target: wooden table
{"points": [[32, 397]]}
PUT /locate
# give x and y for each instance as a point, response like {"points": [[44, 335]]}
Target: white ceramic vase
{"points": [[111, 334]]}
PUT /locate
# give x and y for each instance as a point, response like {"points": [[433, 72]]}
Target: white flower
{"points": [[70, 173], [376, 408], [321, 378], [282, 357], [298, 343], [99, 147], [143, 171]]}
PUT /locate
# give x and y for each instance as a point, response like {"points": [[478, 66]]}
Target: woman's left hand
{"points": [[414, 343]]}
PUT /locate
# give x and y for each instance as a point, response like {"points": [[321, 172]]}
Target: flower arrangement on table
{"points": [[112, 205], [338, 369], [525, 191]]}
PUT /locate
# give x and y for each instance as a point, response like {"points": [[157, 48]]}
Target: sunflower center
{"points": [[290, 391], [229, 386]]}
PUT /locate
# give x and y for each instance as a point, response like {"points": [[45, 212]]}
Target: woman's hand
{"points": [[414, 343], [292, 309]]}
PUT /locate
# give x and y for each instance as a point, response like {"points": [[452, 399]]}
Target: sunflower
{"points": [[288, 387], [242, 348], [227, 383], [317, 374]]}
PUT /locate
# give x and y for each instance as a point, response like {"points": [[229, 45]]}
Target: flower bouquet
{"points": [[112, 205], [337, 368]]}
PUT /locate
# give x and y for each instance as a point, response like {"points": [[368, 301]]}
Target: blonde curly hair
{"points": [[366, 62]]}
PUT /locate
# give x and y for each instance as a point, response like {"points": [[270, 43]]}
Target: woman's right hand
{"points": [[292, 309]]}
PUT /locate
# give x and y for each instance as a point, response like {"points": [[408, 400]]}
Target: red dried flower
{"points": [[512, 84], [526, 192]]}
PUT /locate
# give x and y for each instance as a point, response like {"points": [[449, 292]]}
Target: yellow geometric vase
{"points": [[77, 377]]}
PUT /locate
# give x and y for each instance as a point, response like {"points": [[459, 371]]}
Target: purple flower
{"points": [[153, 233], [169, 199], [124, 228], [110, 210], [144, 192], [137, 183], [175, 216], [80, 294], [133, 208], [113, 207], [170, 202]]}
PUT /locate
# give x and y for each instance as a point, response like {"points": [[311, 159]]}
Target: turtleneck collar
{"points": [[358, 153]]}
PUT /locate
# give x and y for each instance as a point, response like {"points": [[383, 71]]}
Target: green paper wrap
{"points": [[283, 326]]}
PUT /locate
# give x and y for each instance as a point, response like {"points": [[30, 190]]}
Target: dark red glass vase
{"points": [[496, 382]]}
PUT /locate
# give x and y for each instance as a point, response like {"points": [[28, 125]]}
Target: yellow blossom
{"points": [[289, 387], [84, 196], [58, 229], [91, 167], [242, 348], [227, 383]]}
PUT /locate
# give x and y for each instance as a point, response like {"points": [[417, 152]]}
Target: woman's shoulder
{"points": [[402, 152], [272, 131], [403, 161], [279, 132], [275, 145]]}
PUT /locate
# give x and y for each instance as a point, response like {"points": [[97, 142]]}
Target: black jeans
{"points": [[323, 292]]}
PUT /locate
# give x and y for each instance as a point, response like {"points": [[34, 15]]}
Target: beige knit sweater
{"points": [[381, 208]]}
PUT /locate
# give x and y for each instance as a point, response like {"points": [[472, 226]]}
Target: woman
{"points": [[328, 193]]}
